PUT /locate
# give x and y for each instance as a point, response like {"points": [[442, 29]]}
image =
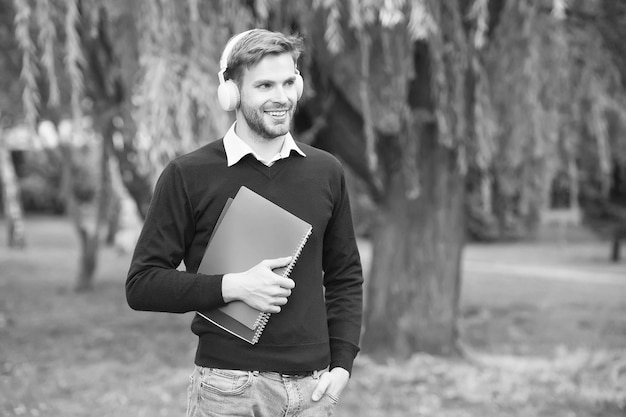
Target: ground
{"points": [[543, 326]]}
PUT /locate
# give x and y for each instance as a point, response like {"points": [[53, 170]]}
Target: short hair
{"points": [[255, 45]]}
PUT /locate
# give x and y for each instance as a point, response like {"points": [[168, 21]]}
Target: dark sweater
{"points": [[320, 324]]}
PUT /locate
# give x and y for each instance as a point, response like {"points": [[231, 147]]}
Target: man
{"points": [[304, 357]]}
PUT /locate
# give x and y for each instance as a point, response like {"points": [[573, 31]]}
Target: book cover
{"points": [[250, 229]]}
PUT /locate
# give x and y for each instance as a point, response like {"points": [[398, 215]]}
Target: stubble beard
{"points": [[261, 124]]}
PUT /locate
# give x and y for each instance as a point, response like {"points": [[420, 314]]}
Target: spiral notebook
{"points": [[250, 229]]}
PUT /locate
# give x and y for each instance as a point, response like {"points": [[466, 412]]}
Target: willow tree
{"points": [[127, 68], [417, 95], [10, 70], [12, 206], [553, 96], [69, 71]]}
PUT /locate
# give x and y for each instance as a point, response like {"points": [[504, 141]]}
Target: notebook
{"points": [[250, 229]]}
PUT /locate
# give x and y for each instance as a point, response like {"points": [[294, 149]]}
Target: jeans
{"points": [[222, 392]]}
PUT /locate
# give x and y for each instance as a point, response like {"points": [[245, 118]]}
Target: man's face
{"points": [[268, 97]]}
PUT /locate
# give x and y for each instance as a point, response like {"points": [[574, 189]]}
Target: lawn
{"points": [[543, 325]]}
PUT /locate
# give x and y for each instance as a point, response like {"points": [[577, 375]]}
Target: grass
{"points": [[536, 346]]}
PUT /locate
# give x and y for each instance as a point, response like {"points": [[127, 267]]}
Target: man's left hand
{"points": [[332, 383]]}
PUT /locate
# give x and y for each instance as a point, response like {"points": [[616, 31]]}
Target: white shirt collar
{"points": [[236, 148]]}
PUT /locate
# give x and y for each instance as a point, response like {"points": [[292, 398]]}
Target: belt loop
{"points": [[255, 373], [316, 374]]}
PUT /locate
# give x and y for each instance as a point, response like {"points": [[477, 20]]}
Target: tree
{"points": [[93, 77], [606, 211], [10, 71], [11, 197], [499, 89]]}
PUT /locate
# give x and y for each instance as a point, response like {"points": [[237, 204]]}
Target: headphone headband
{"points": [[227, 92], [229, 47]]}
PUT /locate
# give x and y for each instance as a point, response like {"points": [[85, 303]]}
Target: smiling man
{"points": [[303, 359]]}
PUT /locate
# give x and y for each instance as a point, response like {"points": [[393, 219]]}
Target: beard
{"points": [[264, 125]]}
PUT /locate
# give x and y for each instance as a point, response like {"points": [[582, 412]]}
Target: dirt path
{"points": [[543, 275]]}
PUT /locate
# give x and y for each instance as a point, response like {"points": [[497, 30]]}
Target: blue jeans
{"points": [[222, 392]]}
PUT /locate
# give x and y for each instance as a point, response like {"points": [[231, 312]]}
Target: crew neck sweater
{"points": [[320, 324]]}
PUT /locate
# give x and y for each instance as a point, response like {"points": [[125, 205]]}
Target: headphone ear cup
{"points": [[228, 95], [299, 85]]}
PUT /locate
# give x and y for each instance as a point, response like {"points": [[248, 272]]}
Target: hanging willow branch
{"points": [[359, 19], [479, 12], [30, 96], [600, 129], [421, 24], [370, 136], [176, 97], [47, 39], [74, 58], [333, 34]]}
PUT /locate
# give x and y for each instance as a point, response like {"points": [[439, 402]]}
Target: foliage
{"points": [[556, 58], [29, 67], [10, 68], [549, 85], [176, 96], [545, 91], [37, 25]]}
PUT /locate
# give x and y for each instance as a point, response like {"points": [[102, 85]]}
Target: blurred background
{"points": [[485, 147]]}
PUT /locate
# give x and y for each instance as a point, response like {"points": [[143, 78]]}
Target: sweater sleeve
{"points": [[343, 279], [153, 282]]}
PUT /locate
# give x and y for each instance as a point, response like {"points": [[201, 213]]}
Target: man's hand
{"points": [[331, 383], [260, 287]]}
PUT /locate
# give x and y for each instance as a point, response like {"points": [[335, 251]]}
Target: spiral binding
{"points": [[296, 255], [259, 325], [261, 321]]}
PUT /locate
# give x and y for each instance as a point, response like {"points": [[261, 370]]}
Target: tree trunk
{"points": [[86, 186], [90, 224], [414, 287], [615, 248], [619, 233], [91, 230], [89, 237], [415, 282], [11, 198]]}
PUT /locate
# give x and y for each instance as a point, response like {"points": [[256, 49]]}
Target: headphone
{"points": [[227, 91]]}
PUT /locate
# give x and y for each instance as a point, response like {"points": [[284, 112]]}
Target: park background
{"points": [[486, 160]]}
